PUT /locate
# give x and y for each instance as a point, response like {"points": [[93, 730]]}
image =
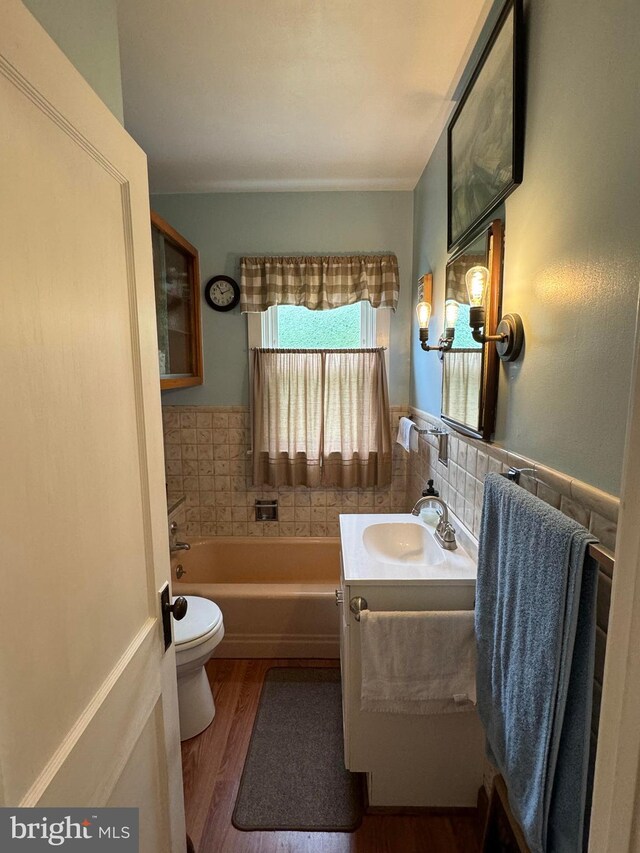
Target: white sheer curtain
{"points": [[461, 381], [320, 417], [287, 412], [357, 434]]}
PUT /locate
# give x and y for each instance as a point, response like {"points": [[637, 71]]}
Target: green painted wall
{"points": [[224, 226], [87, 32], [572, 247]]}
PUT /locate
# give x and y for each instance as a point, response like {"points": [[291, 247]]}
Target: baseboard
{"points": [[278, 646], [469, 811]]}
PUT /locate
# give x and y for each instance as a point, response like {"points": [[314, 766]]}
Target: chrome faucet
{"points": [[175, 545], [445, 533]]}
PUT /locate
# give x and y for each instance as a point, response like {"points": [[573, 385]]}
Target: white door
{"points": [[88, 704]]}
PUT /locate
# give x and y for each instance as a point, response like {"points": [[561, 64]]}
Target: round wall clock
{"points": [[222, 293]]}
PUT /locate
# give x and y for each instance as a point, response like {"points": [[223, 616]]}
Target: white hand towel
{"points": [[407, 436], [418, 662]]}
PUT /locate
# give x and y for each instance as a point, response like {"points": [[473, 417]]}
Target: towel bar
{"points": [[513, 474], [357, 605], [428, 431]]}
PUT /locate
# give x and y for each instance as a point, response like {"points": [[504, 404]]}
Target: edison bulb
{"points": [[476, 280], [423, 310], [451, 309]]}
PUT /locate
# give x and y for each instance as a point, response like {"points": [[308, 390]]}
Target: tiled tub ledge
{"points": [[461, 482]]}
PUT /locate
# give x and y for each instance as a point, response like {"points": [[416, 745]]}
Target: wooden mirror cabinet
{"points": [[177, 287]]}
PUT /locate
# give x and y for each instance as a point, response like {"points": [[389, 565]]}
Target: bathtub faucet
{"points": [[445, 533], [175, 545]]}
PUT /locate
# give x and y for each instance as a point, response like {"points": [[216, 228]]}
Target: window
{"points": [[295, 327], [299, 328], [320, 416]]}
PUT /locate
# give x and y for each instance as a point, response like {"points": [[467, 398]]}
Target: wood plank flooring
{"points": [[212, 767]]}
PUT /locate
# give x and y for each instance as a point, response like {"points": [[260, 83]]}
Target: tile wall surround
{"points": [[206, 452], [207, 461], [461, 482]]}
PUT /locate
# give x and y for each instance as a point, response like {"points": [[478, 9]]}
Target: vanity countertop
{"points": [[361, 566]]}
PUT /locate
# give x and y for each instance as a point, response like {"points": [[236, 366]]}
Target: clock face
{"points": [[222, 293]]}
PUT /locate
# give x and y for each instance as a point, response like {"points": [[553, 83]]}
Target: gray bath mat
{"points": [[294, 776]]}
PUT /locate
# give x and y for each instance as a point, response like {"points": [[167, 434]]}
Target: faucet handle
{"points": [[446, 536]]}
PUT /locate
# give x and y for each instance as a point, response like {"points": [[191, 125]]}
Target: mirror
{"points": [[470, 369]]}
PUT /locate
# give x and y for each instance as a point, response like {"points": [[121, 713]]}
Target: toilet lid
{"points": [[203, 617]]}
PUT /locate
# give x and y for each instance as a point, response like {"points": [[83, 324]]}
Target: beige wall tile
{"points": [[574, 510], [203, 420], [604, 504], [173, 451], [557, 481], [206, 459], [170, 420], [604, 529], [548, 495], [203, 436]]}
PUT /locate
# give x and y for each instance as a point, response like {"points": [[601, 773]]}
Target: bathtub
{"points": [[277, 595]]}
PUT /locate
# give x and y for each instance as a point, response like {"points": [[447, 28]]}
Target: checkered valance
{"points": [[318, 282]]}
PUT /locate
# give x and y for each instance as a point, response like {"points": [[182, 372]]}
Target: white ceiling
{"points": [[241, 95]]}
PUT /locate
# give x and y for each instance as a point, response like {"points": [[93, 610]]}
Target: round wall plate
{"points": [[222, 293], [511, 326]]}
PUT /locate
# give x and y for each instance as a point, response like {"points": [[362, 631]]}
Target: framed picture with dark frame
{"points": [[485, 137]]}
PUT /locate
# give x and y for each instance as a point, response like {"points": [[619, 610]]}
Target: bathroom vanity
{"points": [[410, 760]]}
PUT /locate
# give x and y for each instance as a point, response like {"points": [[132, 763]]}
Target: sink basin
{"points": [[402, 543]]}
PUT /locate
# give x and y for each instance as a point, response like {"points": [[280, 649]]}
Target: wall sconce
{"points": [[423, 310], [509, 335]]}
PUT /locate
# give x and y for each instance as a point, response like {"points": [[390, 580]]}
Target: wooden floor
{"points": [[212, 766]]}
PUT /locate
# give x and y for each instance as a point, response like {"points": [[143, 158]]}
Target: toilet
{"points": [[196, 636]]}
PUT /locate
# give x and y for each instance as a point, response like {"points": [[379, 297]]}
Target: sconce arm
{"points": [[444, 344], [481, 338], [509, 339]]}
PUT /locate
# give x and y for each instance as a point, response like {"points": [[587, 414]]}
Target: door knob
{"points": [[178, 608]]}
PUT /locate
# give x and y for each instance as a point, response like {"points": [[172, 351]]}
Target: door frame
{"points": [[614, 826]]}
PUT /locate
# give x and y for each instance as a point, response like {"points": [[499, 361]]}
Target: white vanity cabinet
{"points": [[410, 760]]}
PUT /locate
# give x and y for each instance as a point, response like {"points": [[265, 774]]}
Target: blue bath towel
{"points": [[535, 628]]}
